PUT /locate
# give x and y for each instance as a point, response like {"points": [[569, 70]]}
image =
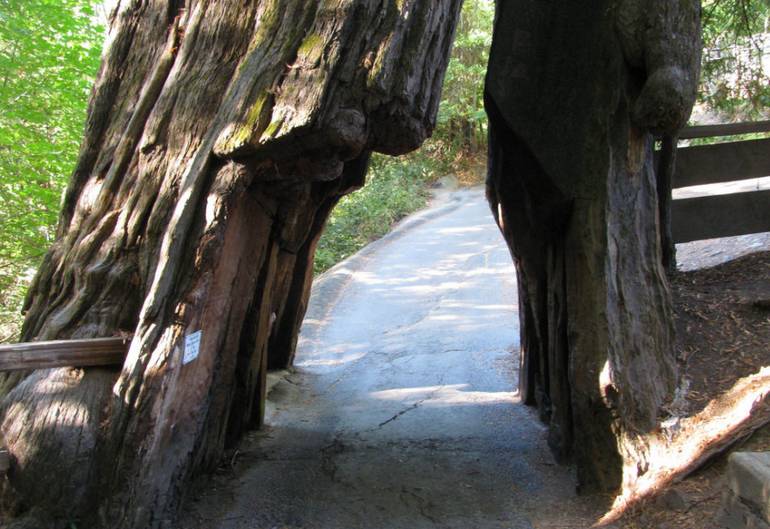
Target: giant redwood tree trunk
{"points": [[574, 91], [220, 135]]}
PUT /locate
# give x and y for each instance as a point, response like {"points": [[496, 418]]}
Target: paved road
{"points": [[403, 410]]}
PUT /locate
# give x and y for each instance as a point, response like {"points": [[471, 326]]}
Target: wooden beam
{"points": [[722, 162], [723, 129], [63, 353], [693, 219]]}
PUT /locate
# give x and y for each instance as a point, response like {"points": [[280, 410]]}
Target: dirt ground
{"points": [[723, 324], [723, 334]]}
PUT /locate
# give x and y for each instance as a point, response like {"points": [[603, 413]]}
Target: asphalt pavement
{"points": [[402, 410]]}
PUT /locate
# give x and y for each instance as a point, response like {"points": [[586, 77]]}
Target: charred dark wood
{"points": [[664, 173], [5, 461]]}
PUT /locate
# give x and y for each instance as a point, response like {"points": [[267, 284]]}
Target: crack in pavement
{"points": [[422, 504], [328, 456], [410, 408], [402, 412]]}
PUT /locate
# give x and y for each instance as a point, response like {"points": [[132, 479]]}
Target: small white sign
{"points": [[192, 343]]}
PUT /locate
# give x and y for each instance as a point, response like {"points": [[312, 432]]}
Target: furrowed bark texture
{"points": [[220, 135], [573, 93]]}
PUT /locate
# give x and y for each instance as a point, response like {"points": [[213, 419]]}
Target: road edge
{"points": [[328, 286]]}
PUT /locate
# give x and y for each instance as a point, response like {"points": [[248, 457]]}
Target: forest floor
{"points": [[722, 310]]}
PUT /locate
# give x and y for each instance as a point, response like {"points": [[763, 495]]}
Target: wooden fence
{"points": [[708, 217]]}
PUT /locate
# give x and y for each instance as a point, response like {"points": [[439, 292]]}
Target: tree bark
{"points": [[573, 93], [220, 135]]}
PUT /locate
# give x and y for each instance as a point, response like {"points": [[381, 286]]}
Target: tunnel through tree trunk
{"points": [[221, 133]]}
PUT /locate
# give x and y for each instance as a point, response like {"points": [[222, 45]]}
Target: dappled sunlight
{"points": [[681, 444], [456, 322], [462, 230], [336, 354], [427, 275], [54, 411], [446, 291], [448, 395], [432, 288], [491, 307], [335, 361], [491, 271], [443, 317], [367, 278], [722, 188]]}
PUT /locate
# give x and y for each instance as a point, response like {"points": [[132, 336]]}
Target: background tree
{"points": [[736, 68], [462, 120], [49, 54]]}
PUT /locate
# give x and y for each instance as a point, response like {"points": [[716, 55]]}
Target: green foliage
{"points": [[736, 41], [398, 186], [49, 54], [462, 120], [395, 187]]}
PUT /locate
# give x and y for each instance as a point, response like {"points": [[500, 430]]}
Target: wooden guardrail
{"points": [[59, 353], [63, 353], [708, 217], [723, 129]]}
